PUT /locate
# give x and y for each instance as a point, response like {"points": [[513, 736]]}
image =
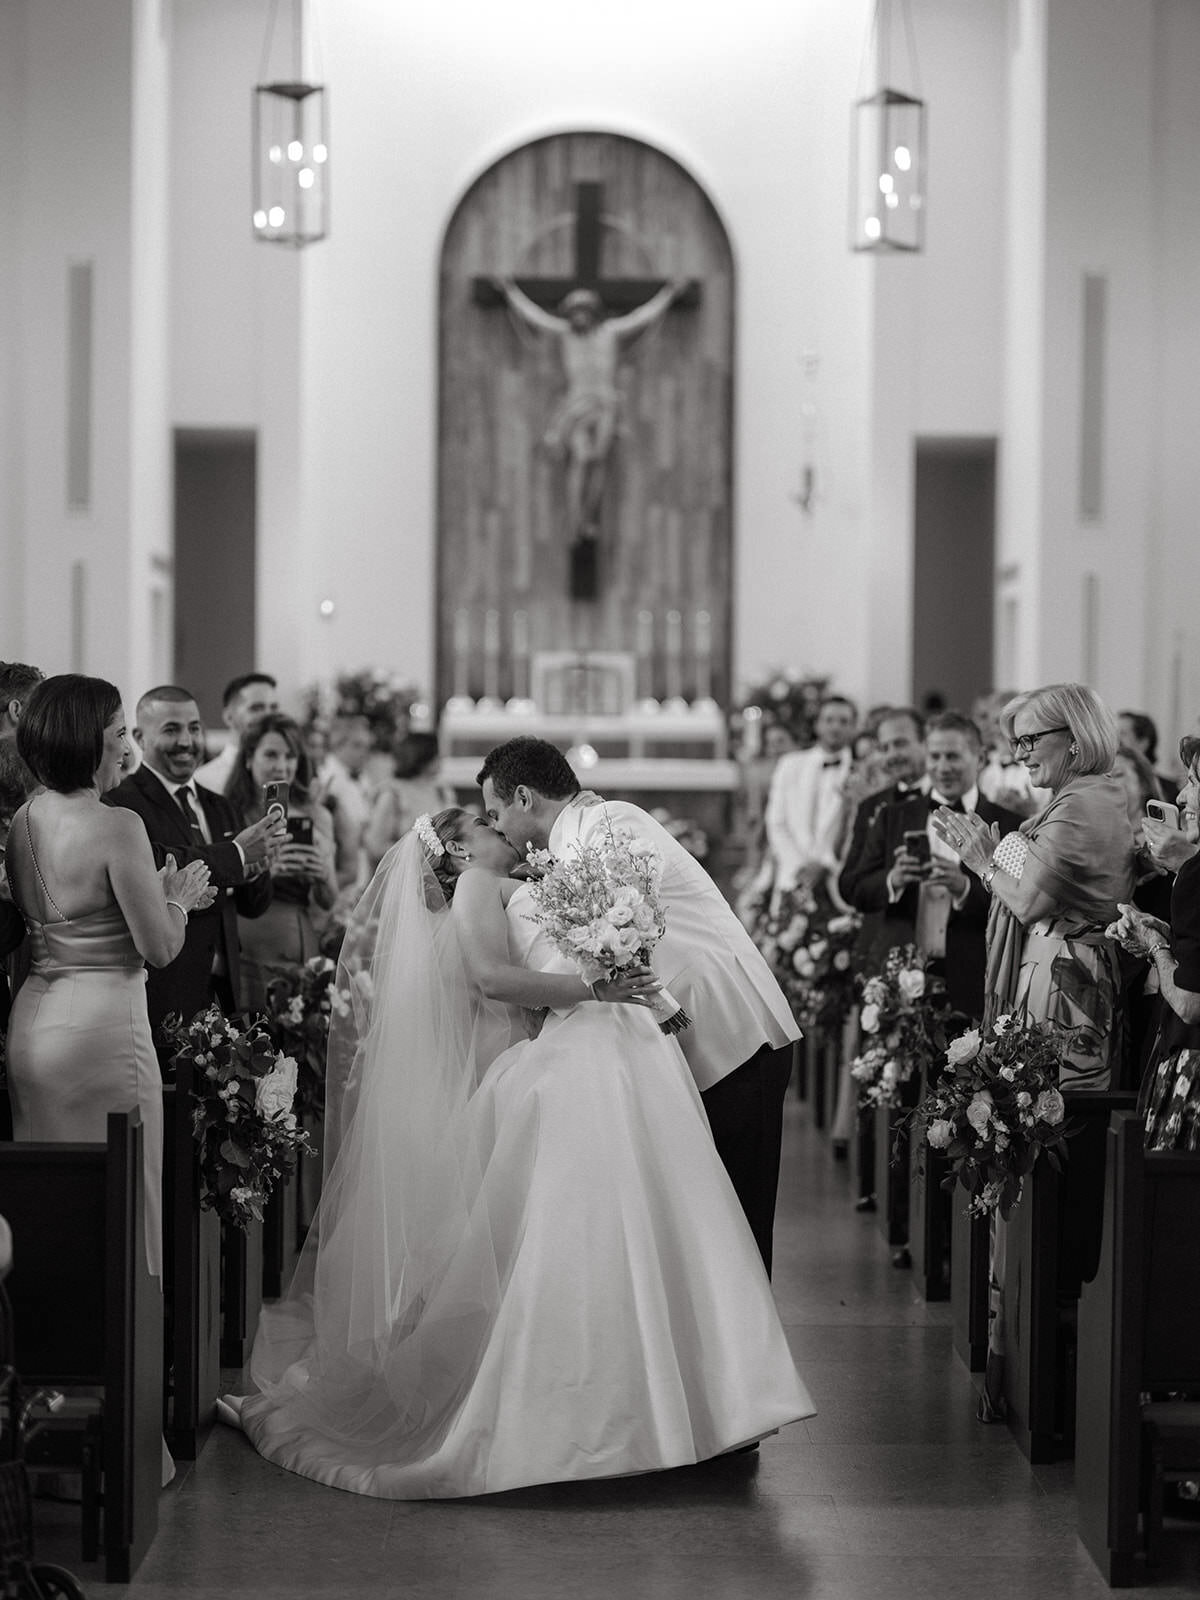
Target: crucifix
{"points": [[591, 317]]}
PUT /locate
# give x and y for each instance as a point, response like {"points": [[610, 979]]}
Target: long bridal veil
{"points": [[401, 1276]]}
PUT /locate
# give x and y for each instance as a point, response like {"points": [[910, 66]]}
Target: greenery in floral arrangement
{"points": [[812, 954], [243, 1117], [300, 1004], [689, 834], [382, 697], [904, 1023], [996, 1108], [788, 696]]}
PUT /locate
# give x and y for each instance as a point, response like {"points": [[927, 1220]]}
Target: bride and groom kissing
{"points": [[530, 1263]]}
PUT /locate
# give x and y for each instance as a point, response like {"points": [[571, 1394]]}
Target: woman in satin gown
{"points": [[529, 1265], [97, 910]]}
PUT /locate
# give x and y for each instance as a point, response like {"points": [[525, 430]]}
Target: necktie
{"points": [[187, 806]]}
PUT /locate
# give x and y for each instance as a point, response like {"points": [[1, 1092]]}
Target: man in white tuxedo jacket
{"points": [[804, 807], [739, 1046]]}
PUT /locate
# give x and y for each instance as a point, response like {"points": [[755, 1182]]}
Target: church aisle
{"points": [[892, 1489]]}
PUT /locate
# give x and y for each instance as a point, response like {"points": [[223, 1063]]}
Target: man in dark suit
{"points": [[192, 823], [936, 904]]}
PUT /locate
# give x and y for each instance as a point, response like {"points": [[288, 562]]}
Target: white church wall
{"points": [[79, 591], [12, 629], [1172, 652]]}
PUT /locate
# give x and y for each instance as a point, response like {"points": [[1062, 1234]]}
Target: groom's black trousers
{"points": [[745, 1113]]}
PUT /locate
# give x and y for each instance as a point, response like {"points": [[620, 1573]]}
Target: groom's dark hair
{"points": [[533, 762]]}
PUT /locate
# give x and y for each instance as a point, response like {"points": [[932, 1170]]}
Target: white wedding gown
{"points": [[629, 1326]]}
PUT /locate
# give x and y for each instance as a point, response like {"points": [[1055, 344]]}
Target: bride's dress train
{"points": [[596, 1306]]}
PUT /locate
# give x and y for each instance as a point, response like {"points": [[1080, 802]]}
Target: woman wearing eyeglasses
{"points": [[1056, 884]]}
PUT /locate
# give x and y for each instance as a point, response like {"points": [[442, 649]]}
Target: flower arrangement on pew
{"points": [[243, 1118], [300, 1005], [812, 955], [996, 1108], [904, 1020], [384, 698], [600, 908]]}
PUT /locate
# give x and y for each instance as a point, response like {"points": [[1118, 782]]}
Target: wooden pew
{"points": [[86, 1312], [192, 1278], [929, 1218], [1053, 1249], [969, 1267], [281, 1228], [1139, 1330], [241, 1291]]}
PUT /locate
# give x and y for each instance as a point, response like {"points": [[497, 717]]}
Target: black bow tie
{"points": [[832, 761], [949, 805]]}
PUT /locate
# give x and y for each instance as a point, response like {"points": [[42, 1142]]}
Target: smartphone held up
{"points": [[1163, 811]]}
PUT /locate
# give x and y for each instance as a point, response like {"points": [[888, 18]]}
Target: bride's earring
{"points": [[1074, 750]]}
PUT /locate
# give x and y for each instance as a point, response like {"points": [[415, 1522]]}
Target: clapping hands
{"points": [[1137, 932]]}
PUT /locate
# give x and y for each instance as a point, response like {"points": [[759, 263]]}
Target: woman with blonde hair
{"points": [[1056, 883]]}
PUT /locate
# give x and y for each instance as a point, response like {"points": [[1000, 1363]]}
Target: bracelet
{"points": [[986, 876], [1152, 950], [179, 907]]}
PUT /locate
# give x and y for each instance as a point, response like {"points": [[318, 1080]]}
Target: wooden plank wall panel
{"points": [[667, 524]]}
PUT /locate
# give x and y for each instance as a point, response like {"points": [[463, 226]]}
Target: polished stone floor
{"points": [[892, 1491]]}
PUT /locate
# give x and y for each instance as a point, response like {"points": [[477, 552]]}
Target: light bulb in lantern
{"points": [[306, 178], [275, 154], [902, 156], [320, 153], [295, 150], [886, 183], [891, 201], [260, 219], [276, 216], [871, 227], [327, 608]]}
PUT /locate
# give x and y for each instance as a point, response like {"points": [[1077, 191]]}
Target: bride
{"points": [[528, 1264]]}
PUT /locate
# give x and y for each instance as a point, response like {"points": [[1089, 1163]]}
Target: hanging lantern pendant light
{"points": [[888, 167], [291, 148]]}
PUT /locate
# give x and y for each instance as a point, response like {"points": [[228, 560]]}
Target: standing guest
{"points": [[17, 680], [1138, 732], [939, 905], [1055, 883], [302, 870], [186, 820], [756, 874], [17, 783], [1171, 1095], [1004, 779], [98, 909], [1055, 887], [899, 760], [343, 792], [400, 800], [739, 1048], [245, 702], [804, 807]]}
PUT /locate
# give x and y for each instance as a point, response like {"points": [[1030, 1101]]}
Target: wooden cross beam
{"points": [[618, 294]]}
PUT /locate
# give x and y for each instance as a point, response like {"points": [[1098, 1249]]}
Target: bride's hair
{"points": [[452, 827]]}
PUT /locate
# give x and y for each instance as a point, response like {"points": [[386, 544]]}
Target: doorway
{"points": [[215, 522], [954, 531]]}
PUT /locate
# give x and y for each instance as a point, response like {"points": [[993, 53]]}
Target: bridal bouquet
{"points": [[300, 1005], [601, 910], [996, 1108], [242, 1119], [904, 1026]]}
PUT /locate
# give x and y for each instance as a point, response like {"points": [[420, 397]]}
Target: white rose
{"points": [[274, 1094], [1024, 1098], [870, 1019], [339, 1000], [842, 960], [912, 983], [1008, 1074], [803, 965], [874, 992], [1001, 1024], [1050, 1107], [841, 924], [963, 1049], [940, 1133], [818, 948], [979, 1113]]}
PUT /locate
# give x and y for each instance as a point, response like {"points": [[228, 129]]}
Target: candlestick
{"points": [[674, 662]]}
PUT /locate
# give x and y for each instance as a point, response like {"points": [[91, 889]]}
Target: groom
{"points": [[739, 1046]]}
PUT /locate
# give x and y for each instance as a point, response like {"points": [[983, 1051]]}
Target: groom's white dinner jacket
{"points": [[706, 958]]}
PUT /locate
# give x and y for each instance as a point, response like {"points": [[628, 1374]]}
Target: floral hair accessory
{"points": [[427, 833]]}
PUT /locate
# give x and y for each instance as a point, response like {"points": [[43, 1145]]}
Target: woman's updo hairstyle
{"points": [[450, 826]]}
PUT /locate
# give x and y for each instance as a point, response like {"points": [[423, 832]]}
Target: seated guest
{"points": [[804, 806], [1171, 1093], [186, 820], [246, 701], [301, 870], [937, 903], [98, 909], [400, 800]]}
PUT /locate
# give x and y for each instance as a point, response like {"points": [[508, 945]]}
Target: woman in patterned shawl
{"points": [[1056, 884]]}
